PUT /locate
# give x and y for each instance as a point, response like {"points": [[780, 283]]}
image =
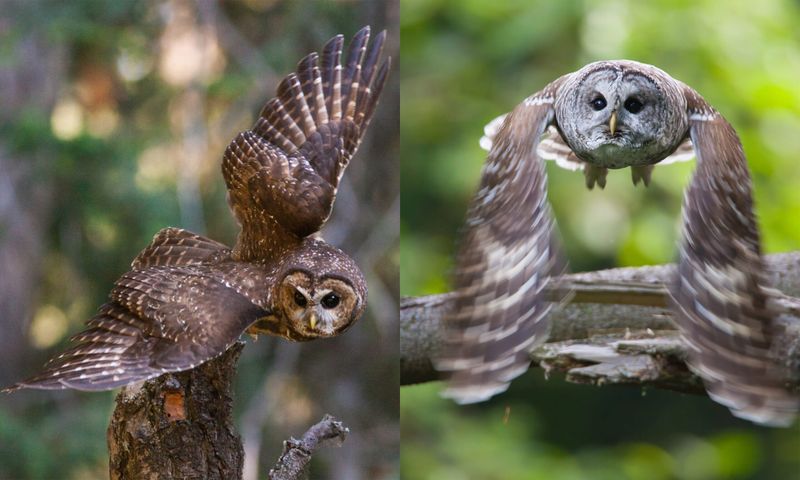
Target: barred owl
{"points": [[187, 298], [615, 114]]}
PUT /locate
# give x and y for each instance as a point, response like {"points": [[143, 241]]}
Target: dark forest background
{"points": [[113, 123], [465, 62]]}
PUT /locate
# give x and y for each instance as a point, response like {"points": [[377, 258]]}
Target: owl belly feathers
{"points": [[622, 151], [624, 147]]}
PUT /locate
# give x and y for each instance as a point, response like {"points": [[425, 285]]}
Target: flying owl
{"points": [[611, 115], [188, 298]]}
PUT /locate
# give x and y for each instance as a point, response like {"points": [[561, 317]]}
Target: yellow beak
{"points": [[312, 320], [612, 124]]}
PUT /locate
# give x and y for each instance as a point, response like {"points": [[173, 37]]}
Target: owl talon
{"points": [[642, 173], [595, 174]]}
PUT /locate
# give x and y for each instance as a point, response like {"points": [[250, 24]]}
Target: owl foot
{"points": [[595, 174], [642, 173]]}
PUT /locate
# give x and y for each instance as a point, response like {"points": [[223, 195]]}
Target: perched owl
{"points": [[615, 114], [188, 298]]}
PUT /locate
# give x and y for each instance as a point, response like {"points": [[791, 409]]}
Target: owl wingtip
{"points": [[11, 389], [469, 394], [767, 418]]}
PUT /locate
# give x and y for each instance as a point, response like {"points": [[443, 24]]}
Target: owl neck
{"points": [[264, 240]]}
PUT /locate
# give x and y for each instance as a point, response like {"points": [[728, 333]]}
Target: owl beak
{"points": [[312, 320], [612, 124]]}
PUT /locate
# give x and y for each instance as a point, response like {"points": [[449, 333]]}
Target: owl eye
{"points": [[598, 103], [633, 105], [330, 300], [300, 299]]}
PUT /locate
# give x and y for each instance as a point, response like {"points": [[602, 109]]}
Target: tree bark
{"points": [[615, 329], [178, 425]]}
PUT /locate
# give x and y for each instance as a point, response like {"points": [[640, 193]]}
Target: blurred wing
{"points": [[684, 153], [551, 145], [282, 175], [170, 315], [720, 299], [508, 255]]}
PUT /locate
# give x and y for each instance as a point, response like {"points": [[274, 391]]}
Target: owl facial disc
{"points": [[614, 116], [317, 305]]}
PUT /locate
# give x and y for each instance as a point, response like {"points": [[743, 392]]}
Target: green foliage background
{"points": [[465, 62]]}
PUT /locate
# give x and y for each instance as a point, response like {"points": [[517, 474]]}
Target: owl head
{"points": [[616, 114], [320, 292]]}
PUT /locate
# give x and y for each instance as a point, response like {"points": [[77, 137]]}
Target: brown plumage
{"points": [[188, 298], [616, 114], [508, 254], [720, 294]]}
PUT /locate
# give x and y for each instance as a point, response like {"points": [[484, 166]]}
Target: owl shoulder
{"points": [[177, 247]]}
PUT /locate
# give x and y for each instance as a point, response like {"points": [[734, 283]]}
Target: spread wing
{"points": [[282, 175], [507, 256], [170, 313], [722, 305]]}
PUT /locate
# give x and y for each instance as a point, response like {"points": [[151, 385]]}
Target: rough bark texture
{"points": [[616, 329], [297, 453], [178, 426]]}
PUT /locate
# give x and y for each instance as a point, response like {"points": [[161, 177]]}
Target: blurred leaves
{"points": [[464, 63], [470, 442], [46, 444]]}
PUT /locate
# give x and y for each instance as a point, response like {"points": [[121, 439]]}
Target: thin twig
{"points": [[297, 453]]}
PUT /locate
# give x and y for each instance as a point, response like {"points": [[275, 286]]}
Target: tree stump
{"points": [[178, 425]]}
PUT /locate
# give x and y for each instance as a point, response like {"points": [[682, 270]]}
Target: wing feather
{"points": [[721, 295], [303, 140], [175, 246], [158, 320], [508, 255]]}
